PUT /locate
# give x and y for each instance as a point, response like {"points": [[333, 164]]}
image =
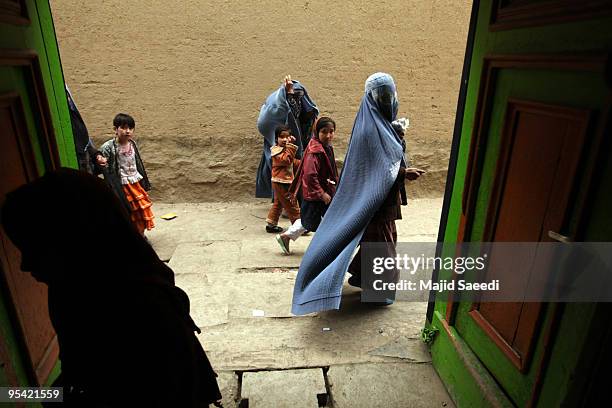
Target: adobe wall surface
{"points": [[195, 73]]}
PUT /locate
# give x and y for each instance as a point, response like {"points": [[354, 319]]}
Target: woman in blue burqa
{"points": [[364, 209], [288, 105]]}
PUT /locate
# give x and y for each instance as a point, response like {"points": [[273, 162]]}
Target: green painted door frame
{"points": [[31, 69], [475, 372]]}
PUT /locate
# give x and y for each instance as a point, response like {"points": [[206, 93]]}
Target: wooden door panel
{"points": [[530, 175], [14, 12], [512, 14], [29, 297], [541, 147], [502, 317], [527, 326]]}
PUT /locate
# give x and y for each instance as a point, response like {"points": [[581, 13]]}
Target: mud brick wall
{"points": [[195, 73]]}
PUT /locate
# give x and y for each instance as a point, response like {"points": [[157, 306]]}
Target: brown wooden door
{"points": [[27, 148], [540, 152], [27, 298]]}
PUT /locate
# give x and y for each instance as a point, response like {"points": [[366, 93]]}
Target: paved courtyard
{"points": [[240, 285]]}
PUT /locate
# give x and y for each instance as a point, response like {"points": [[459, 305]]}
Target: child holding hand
{"points": [[283, 165]]}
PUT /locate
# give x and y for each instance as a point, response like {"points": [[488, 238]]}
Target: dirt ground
{"points": [[195, 73]]}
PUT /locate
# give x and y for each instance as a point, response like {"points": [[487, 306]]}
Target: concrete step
{"points": [[304, 388], [388, 385]]}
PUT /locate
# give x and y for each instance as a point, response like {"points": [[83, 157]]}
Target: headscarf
{"points": [[119, 318], [319, 124], [371, 167], [75, 216], [276, 111]]}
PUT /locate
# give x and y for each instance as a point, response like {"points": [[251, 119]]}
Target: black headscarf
{"points": [[76, 215]]}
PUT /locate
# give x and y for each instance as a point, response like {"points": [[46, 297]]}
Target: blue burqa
{"points": [[276, 111], [371, 167]]}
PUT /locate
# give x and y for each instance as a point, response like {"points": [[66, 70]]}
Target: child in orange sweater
{"points": [[283, 165]]}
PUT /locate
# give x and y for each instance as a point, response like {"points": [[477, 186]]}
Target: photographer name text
{"points": [[440, 286]]}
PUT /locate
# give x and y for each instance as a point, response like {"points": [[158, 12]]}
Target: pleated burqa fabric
{"points": [[371, 167], [276, 111]]}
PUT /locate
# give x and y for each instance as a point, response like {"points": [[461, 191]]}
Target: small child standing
{"points": [[283, 164], [125, 172]]}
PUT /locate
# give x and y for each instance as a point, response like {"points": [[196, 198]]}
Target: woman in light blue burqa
{"points": [[289, 105], [366, 201]]}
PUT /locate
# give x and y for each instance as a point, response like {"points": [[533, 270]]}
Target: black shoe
{"points": [[273, 229], [355, 281]]}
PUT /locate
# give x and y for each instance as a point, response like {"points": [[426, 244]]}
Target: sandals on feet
{"points": [[280, 241]]}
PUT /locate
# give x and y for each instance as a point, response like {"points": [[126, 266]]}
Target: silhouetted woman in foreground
{"points": [[124, 330]]}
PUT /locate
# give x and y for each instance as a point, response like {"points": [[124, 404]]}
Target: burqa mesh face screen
{"points": [[385, 97]]}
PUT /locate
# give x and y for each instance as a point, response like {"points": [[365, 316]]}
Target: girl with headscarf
{"points": [[367, 183], [315, 180], [123, 327]]}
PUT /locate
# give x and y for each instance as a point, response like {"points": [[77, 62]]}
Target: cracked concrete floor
{"points": [[240, 285]]}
